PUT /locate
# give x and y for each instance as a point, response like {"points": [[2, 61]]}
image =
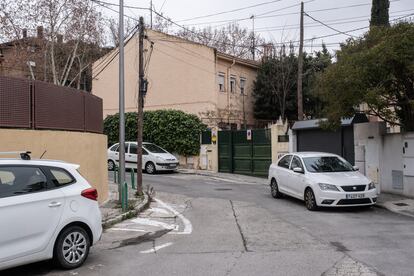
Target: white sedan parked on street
{"points": [[154, 158], [321, 179], [47, 210]]}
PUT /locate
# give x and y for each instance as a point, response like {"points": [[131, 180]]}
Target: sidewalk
{"points": [[227, 176], [111, 209], [396, 203]]}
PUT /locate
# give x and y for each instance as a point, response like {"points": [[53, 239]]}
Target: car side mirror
{"points": [[355, 168], [298, 170]]}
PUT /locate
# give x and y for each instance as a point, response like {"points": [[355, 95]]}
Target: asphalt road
{"points": [[203, 225]]}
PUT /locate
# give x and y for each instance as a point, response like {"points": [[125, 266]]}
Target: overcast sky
{"points": [[277, 20]]}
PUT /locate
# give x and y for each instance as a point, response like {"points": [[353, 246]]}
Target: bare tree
{"points": [[231, 39], [129, 26], [70, 29]]}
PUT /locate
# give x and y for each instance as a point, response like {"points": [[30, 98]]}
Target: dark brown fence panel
{"points": [[14, 102], [93, 113], [58, 107]]}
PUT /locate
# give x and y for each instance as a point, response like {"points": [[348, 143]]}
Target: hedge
{"points": [[173, 130]]}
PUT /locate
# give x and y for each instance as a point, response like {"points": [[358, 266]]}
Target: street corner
{"points": [[164, 216]]}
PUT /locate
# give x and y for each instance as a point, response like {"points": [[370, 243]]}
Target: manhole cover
{"points": [[401, 204], [223, 189]]}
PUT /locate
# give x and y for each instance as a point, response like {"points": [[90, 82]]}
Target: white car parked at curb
{"points": [[321, 179], [154, 158], [48, 211]]}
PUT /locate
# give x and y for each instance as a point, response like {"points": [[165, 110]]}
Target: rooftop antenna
{"points": [[43, 154]]}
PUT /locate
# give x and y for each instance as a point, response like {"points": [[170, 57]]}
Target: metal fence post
{"points": [[133, 179], [115, 177], [125, 197]]}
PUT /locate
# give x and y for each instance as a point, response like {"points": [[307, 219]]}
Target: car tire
{"points": [[111, 165], [71, 247], [310, 201], [274, 189], [150, 168]]}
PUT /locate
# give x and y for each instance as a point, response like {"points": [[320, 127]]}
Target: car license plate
{"points": [[354, 196], [173, 165]]}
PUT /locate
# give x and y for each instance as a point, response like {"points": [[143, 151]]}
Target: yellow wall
{"points": [[182, 75], [86, 149]]}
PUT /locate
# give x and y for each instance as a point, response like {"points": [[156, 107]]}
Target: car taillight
{"points": [[90, 193]]}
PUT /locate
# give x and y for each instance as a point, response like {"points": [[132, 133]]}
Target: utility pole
{"points": [[151, 12], [253, 38], [141, 92], [121, 170], [300, 67]]}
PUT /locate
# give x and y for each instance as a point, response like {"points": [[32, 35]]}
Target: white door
{"points": [[282, 174], [133, 149], [29, 212], [297, 180]]}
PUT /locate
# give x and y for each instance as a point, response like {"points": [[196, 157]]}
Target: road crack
{"points": [[239, 227]]}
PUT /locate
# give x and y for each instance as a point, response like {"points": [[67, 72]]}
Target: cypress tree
{"points": [[379, 13]]}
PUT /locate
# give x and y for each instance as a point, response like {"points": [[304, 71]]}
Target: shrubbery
{"points": [[173, 130]]}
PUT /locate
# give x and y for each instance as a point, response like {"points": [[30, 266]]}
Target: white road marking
{"points": [[153, 250], [127, 229], [145, 221], [188, 227], [158, 210]]}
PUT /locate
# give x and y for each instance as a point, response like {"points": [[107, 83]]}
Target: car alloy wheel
{"points": [[150, 168], [310, 201], [72, 247], [274, 189], [111, 165]]}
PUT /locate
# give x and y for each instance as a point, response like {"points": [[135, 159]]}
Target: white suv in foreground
{"points": [[47, 210]]}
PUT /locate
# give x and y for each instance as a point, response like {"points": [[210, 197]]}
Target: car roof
{"points": [[312, 154], [38, 162]]}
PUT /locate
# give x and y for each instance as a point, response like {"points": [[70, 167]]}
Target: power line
{"points": [[262, 16], [343, 20], [332, 28], [125, 6], [229, 11]]}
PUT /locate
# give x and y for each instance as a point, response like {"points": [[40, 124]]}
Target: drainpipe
{"points": [[228, 92]]}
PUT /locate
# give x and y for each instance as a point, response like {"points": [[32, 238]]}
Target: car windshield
{"points": [[326, 164], [154, 148]]}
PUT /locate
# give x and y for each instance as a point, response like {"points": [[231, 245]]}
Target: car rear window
{"points": [[61, 177]]}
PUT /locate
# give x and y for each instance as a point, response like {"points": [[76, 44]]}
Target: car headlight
{"points": [[371, 186], [328, 187]]}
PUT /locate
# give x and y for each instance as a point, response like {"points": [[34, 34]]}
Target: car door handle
{"points": [[54, 204]]}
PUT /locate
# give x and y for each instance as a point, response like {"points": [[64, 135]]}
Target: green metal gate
{"points": [[239, 155]]}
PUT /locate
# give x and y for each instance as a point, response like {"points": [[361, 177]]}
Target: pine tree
{"points": [[379, 13]]}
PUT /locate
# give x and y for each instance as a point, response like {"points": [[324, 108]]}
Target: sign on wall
{"points": [[249, 134]]}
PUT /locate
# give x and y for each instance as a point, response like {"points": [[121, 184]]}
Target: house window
{"points": [[242, 86], [221, 79], [232, 84]]}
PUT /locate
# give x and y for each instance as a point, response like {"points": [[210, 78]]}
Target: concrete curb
{"points": [[383, 206], [138, 209]]}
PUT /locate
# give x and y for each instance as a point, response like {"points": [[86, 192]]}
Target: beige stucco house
{"points": [[182, 75]]}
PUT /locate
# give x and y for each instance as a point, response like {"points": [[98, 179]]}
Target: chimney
{"points": [[59, 38], [24, 32], [40, 32]]}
